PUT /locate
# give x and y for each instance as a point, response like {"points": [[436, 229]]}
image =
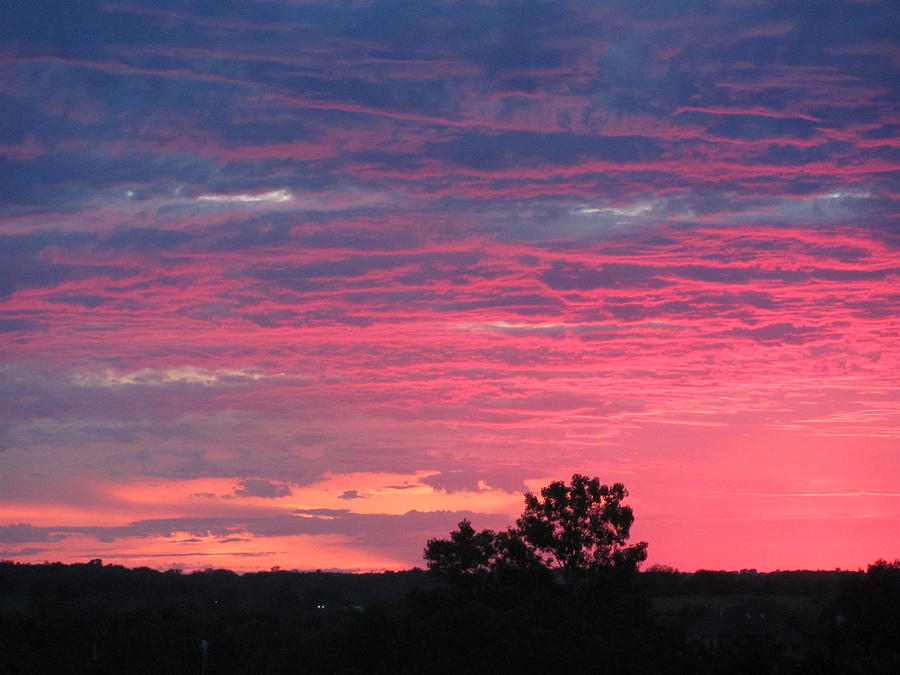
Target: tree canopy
{"points": [[577, 528]]}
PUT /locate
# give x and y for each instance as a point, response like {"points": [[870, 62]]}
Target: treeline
{"points": [[96, 618], [662, 580], [99, 618]]}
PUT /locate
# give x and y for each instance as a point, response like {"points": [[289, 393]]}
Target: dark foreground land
{"points": [[96, 618]]}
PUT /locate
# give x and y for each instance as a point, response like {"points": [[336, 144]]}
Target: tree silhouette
{"points": [[581, 527], [578, 528], [468, 556]]}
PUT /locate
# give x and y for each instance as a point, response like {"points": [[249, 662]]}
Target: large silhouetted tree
{"points": [[578, 528], [581, 527]]}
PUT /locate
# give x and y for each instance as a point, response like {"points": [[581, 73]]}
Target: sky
{"points": [[304, 283]]}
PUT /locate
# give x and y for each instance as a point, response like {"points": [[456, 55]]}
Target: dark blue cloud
{"points": [[256, 487], [426, 268], [784, 333], [25, 533], [615, 275], [25, 272], [517, 149], [147, 238]]}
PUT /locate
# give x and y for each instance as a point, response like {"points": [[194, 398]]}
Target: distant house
{"points": [[757, 621]]}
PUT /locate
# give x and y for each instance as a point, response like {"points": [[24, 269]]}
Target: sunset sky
{"points": [[307, 282]]}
